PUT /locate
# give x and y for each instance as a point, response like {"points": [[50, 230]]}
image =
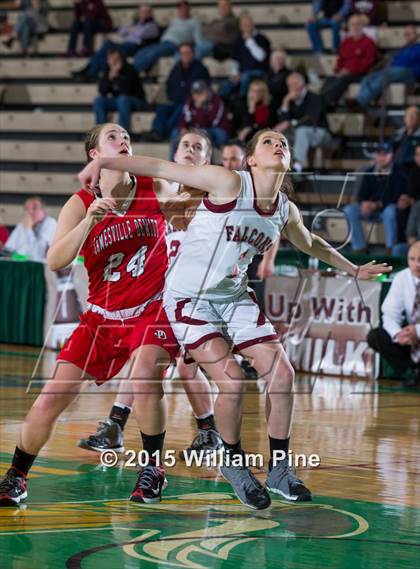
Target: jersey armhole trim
{"points": [[226, 207], [219, 208]]}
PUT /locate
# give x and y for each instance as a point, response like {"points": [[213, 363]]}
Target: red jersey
{"points": [[125, 254]]}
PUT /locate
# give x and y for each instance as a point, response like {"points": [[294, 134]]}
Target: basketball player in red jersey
{"points": [[194, 148], [122, 235]]}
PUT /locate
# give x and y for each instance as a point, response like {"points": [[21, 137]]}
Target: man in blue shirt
{"points": [[404, 67]]}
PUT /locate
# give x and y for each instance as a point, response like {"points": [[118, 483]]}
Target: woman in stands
{"points": [[207, 301], [121, 233]]}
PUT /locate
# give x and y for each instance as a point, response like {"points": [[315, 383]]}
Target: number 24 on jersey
{"points": [[135, 265]]}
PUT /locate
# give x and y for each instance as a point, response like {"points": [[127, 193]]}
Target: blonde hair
{"points": [[260, 84]]}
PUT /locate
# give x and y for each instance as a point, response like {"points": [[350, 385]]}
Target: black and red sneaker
{"points": [[12, 488], [150, 485]]}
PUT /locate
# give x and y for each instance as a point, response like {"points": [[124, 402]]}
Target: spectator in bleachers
{"points": [[413, 182], [90, 17], [142, 32], [252, 55], [356, 56], [398, 343], [4, 235], [178, 88], [408, 212], [6, 28], [378, 188], [182, 29], [34, 234], [31, 23], [407, 137], [327, 14], [369, 9], [277, 76], [303, 115], [413, 225], [207, 111], [120, 90], [221, 34], [403, 67], [233, 155], [253, 113]]}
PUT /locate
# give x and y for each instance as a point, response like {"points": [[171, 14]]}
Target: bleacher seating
{"points": [[44, 113]]}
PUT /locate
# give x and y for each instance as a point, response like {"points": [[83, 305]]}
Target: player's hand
{"points": [[371, 270], [89, 176], [99, 209], [174, 210]]}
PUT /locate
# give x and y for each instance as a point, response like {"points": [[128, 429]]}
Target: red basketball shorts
{"points": [[101, 347]]}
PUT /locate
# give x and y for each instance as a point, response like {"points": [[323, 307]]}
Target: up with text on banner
{"points": [[324, 320]]}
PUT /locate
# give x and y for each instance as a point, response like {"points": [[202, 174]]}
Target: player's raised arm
{"points": [[315, 246], [215, 180]]}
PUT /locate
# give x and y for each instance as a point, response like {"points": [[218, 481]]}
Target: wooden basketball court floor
{"points": [[365, 512]]}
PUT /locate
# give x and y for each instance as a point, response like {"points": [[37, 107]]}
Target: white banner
{"points": [[324, 321]]}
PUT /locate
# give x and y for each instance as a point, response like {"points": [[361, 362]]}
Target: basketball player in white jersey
{"points": [[194, 149], [208, 304]]}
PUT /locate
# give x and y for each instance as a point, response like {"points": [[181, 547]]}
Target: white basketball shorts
{"points": [[241, 322]]}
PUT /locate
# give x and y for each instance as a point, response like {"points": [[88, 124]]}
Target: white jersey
{"points": [[220, 243], [174, 239]]}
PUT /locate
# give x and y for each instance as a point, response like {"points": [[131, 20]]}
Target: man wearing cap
{"points": [[182, 29], [399, 344], [178, 88], [205, 110], [378, 189]]}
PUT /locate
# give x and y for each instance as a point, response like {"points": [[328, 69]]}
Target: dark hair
{"points": [[187, 44], [199, 132], [36, 198], [235, 142], [118, 51], [287, 186]]}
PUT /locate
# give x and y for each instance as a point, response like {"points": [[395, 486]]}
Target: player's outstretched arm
{"points": [[74, 224], [315, 246], [215, 180], [267, 264]]}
